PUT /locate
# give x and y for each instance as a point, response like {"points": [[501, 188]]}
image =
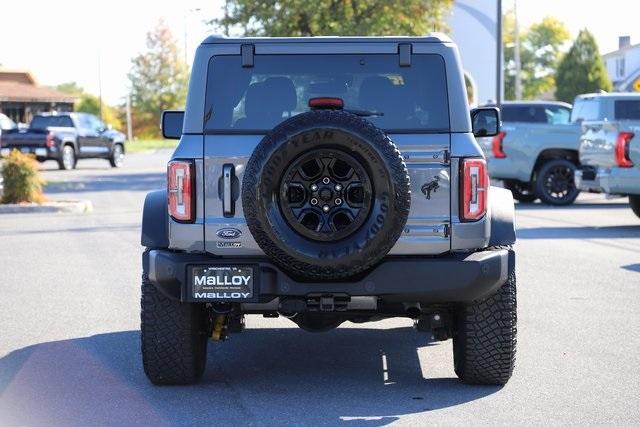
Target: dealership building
{"points": [[21, 97]]}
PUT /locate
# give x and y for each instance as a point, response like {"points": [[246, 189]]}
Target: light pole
{"points": [[516, 52], [186, 35]]}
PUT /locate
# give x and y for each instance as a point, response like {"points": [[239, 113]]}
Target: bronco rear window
{"points": [[256, 99]]}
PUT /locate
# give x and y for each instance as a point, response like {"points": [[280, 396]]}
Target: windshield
{"points": [[410, 98], [43, 122]]}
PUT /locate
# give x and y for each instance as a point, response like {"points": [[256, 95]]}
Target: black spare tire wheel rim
{"points": [[326, 195]]}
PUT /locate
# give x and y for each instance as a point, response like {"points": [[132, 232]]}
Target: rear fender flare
{"points": [[155, 221], [501, 205]]}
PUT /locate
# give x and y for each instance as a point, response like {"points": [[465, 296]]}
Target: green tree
{"points": [[581, 70], [159, 78], [333, 17], [540, 51], [88, 103]]}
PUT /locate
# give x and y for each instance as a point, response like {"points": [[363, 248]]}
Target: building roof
{"points": [[19, 76], [20, 92], [20, 86], [619, 51]]}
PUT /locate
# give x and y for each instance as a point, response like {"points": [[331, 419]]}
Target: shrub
{"points": [[22, 180]]}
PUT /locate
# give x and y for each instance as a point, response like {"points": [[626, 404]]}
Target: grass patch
{"points": [[139, 145]]}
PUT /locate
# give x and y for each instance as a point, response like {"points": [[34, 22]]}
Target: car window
{"points": [[95, 123], [585, 109], [524, 113], [557, 115], [43, 122], [280, 86], [628, 109]]}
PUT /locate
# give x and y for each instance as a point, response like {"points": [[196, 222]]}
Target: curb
{"points": [[52, 206]]}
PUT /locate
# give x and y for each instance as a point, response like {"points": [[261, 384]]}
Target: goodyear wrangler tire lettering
{"points": [[326, 195]]}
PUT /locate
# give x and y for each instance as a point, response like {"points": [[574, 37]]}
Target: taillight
{"points": [[180, 190], [622, 149], [496, 145], [50, 141], [473, 189]]}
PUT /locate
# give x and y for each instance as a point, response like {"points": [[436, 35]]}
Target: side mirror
{"points": [[171, 124], [485, 121]]}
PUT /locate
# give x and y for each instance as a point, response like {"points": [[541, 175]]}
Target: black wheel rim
{"points": [[325, 195], [558, 182]]}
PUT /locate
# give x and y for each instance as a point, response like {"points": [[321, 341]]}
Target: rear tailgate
{"points": [[24, 138]]}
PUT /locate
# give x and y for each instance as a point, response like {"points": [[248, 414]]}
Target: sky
{"points": [[93, 41]]}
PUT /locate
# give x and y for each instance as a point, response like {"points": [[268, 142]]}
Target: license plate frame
{"points": [[222, 283]]}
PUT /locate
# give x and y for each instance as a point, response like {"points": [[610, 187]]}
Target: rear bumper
{"points": [[451, 278], [41, 153], [608, 180]]}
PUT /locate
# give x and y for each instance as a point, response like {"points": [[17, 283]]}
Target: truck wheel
{"points": [[117, 156], [173, 337], [484, 341], [634, 202], [521, 192], [67, 159], [326, 195], [555, 184]]}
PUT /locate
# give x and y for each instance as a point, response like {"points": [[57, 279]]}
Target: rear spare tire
{"points": [[326, 195]]}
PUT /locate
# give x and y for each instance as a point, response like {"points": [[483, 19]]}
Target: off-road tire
{"points": [[543, 193], [634, 202], [484, 341], [173, 337], [341, 258]]}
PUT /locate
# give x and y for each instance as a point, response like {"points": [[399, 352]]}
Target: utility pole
{"points": [[129, 124], [516, 52], [499, 53], [100, 82]]}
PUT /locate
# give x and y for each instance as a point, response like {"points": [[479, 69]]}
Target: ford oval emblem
{"points": [[229, 233]]}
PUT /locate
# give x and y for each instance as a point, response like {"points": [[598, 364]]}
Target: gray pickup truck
{"points": [[327, 180], [65, 138], [536, 153], [610, 145]]}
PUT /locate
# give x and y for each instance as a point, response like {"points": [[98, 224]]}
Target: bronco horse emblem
{"points": [[429, 187]]}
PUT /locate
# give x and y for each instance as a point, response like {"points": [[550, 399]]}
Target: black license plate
{"points": [[221, 283]]}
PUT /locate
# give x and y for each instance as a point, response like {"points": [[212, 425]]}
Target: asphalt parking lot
{"points": [[69, 320]]}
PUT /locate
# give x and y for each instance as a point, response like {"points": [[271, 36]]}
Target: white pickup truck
{"points": [[610, 145]]}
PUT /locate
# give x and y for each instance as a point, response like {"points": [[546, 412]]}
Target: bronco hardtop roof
{"points": [[428, 38]]}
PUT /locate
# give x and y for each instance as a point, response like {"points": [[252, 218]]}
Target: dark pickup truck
{"points": [[66, 137]]}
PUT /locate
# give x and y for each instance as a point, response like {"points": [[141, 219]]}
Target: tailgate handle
{"points": [[228, 203]]}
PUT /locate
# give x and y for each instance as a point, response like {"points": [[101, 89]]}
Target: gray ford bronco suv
{"points": [[328, 180]]}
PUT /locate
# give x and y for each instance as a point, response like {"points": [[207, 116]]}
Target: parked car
{"points": [[66, 137], [6, 123], [536, 153], [610, 145], [328, 180]]}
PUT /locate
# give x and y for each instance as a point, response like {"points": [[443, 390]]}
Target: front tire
{"points": [[555, 184], [173, 338], [117, 156], [67, 159], [634, 202], [484, 343]]}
